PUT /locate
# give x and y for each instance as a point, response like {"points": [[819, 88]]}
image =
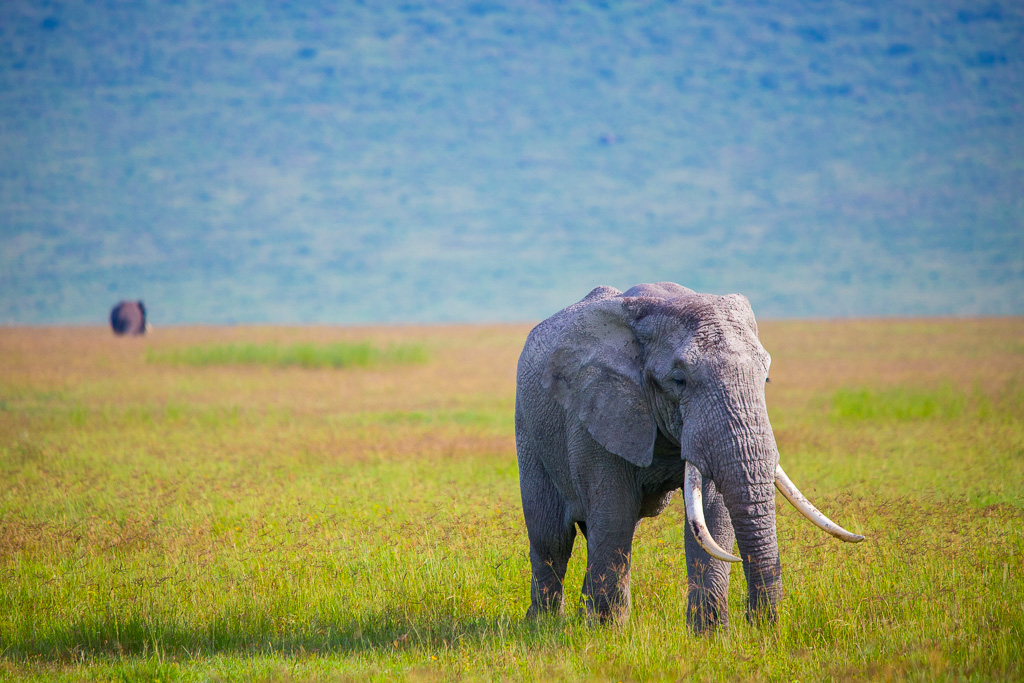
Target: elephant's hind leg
{"points": [[551, 540], [549, 558]]}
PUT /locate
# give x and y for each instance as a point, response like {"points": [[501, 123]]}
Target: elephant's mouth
{"points": [[695, 512]]}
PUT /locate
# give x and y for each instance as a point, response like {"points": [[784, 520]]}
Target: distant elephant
{"points": [[129, 317], [625, 397]]}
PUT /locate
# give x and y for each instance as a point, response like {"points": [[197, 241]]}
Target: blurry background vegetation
{"points": [[426, 161]]}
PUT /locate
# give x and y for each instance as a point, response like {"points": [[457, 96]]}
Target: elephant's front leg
{"points": [[610, 494], [708, 578], [609, 552]]}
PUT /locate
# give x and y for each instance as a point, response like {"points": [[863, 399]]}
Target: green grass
{"points": [[335, 355], [163, 524], [898, 403]]}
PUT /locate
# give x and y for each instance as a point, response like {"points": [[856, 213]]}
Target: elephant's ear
{"points": [[595, 373]]}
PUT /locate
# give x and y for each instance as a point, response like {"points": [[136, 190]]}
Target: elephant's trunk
{"points": [[741, 457], [749, 494]]}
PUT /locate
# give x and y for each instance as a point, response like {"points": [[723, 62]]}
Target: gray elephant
{"points": [[625, 397], [129, 317]]}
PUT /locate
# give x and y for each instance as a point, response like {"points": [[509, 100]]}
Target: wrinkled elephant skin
{"points": [[623, 398]]}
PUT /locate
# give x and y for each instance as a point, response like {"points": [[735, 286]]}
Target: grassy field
{"points": [[171, 521], [305, 355]]}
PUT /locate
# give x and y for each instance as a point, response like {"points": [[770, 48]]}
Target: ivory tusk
{"points": [[800, 502], [695, 515]]}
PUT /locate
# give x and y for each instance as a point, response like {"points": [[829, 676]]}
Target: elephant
{"points": [[129, 317], [624, 398]]}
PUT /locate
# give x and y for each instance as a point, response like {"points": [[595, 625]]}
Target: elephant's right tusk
{"points": [[800, 502], [695, 515]]}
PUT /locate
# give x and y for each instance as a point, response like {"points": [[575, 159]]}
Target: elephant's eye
{"points": [[767, 380], [678, 377]]}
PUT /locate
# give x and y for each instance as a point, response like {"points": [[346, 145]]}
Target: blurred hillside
{"points": [[412, 162]]}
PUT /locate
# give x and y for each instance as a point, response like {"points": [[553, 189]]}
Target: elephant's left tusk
{"points": [[695, 515], [800, 502]]}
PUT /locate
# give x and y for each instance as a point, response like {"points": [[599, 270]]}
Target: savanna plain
{"points": [[326, 503]]}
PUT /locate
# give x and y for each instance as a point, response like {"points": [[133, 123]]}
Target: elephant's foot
{"points": [[543, 611], [706, 613], [606, 599], [607, 614], [764, 613], [545, 600]]}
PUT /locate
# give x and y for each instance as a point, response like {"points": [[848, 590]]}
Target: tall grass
{"points": [[334, 355], [162, 524]]}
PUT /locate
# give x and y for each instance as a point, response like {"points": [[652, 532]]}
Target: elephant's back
{"points": [[543, 339], [659, 290]]}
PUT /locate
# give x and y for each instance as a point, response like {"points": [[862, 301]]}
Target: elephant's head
{"points": [[662, 358]]}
